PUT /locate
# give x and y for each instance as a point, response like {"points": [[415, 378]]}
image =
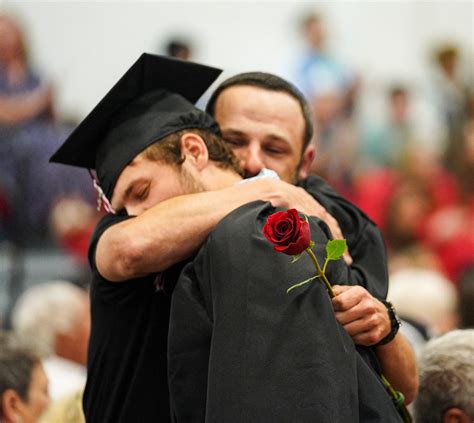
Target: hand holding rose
{"points": [[363, 316]]}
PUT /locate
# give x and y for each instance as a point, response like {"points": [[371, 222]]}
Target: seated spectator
{"points": [[425, 166], [66, 410], [416, 256], [446, 368], [384, 145], [29, 134], [72, 221], [397, 198], [445, 232], [450, 226], [54, 318], [23, 383], [450, 93], [425, 299], [407, 209], [372, 192]]}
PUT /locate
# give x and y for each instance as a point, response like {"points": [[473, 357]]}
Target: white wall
{"points": [[84, 47]]}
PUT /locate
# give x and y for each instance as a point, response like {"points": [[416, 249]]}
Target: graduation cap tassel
{"points": [[102, 200]]}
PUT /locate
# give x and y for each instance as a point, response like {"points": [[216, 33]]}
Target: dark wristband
{"points": [[394, 323]]}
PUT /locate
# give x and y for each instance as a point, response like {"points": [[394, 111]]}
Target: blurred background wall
{"points": [[85, 46]]}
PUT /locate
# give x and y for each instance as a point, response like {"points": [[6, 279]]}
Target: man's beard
{"points": [[189, 183], [295, 177]]}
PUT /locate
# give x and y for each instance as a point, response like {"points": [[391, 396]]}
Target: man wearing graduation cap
{"points": [[127, 374]]}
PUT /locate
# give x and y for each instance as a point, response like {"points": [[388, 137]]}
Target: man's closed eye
{"points": [[141, 193]]}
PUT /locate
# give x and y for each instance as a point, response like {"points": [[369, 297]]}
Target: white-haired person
{"points": [[23, 383], [426, 301], [54, 318], [446, 366]]}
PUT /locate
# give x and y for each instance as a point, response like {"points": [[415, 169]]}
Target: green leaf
{"points": [[311, 243], [296, 257], [301, 283], [335, 249]]}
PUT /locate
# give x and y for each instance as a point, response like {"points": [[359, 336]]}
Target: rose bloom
{"points": [[288, 232]]}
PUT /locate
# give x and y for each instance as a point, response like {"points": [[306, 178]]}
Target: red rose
{"points": [[288, 232]]}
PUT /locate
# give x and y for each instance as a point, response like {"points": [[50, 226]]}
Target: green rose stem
{"points": [[321, 272], [334, 251], [398, 399]]}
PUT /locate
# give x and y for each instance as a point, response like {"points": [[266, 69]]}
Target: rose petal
{"points": [[288, 232]]}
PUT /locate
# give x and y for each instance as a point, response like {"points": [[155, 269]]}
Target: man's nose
{"points": [[252, 163]]}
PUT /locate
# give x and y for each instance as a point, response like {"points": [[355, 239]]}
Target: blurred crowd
{"points": [[417, 185], [29, 134]]}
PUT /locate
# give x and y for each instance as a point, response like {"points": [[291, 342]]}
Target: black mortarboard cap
{"points": [[153, 99]]}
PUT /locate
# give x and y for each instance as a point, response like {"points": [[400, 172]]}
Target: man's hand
{"points": [[364, 317]]}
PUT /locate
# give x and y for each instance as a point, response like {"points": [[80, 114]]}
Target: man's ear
{"points": [[455, 415], [11, 404], [194, 149], [306, 161]]}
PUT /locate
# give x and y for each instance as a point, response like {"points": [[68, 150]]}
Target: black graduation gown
{"points": [[366, 245], [243, 350]]}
